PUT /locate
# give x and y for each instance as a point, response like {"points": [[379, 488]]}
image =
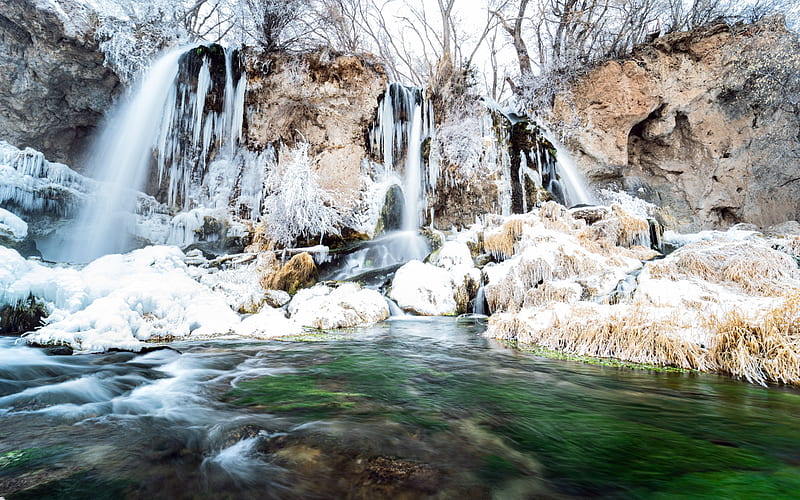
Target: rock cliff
{"points": [[54, 88], [703, 123], [326, 99]]}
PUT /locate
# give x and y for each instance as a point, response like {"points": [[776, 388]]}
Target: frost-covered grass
{"points": [[724, 301]]}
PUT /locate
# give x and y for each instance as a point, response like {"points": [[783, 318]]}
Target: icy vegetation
{"points": [[295, 206], [12, 227]]}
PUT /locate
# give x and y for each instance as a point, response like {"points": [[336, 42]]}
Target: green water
{"points": [[405, 409]]}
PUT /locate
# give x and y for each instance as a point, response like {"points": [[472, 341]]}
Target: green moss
{"points": [[784, 483], [590, 360], [496, 470], [27, 457], [290, 393]]}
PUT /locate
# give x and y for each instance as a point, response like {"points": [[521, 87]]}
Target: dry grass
{"points": [[509, 294], [299, 272], [761, 351], [550, 292], [752, 268], [260, 241], [619, 228], [630, 334], [557, 218], [501, 244]]}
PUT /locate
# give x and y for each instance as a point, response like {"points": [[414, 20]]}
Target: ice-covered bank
{"points": [[151, 294], [728, 302]]}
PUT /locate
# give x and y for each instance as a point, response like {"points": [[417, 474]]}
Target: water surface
{"points": [[411, 408]]}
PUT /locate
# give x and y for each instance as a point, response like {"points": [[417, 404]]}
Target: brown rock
{"points": [[326, 99], [688, 123], [54, 87]]}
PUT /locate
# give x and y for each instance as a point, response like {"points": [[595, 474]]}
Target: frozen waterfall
{"points": [[175, 137]]}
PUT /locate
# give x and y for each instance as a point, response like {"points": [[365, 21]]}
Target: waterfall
{"points": [[183, 120], [403, 123], [572, 182]]}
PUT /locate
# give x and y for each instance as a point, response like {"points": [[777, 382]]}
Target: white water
{"points": [[576, 191], [166, 120], [412, 179], [120, 159]]}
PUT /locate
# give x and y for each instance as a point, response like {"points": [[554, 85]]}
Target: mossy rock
{"points": [[22, 317], [392, 212]]}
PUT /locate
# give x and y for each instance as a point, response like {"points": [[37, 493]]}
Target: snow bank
{"points": [[424, 289], [269, 323], [344, 306], [117, 300]]}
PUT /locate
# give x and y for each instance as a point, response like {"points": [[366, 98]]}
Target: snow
{"points": [[344, 306], [631, 204], [680, 239], [117, 300], [453, 254], [269, 323], [424, 289], [12, 226]]}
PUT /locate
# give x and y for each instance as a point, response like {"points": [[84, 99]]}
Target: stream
{"points": [[409, 408]]}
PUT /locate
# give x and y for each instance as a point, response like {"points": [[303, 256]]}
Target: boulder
{"points": [[424, 289], [344, 305]]}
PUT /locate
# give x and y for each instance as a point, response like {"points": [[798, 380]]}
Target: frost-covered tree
{"points": [[132, 32], [295, 205]]}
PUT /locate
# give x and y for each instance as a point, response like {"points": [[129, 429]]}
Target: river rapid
{"points": [[409, 408]]}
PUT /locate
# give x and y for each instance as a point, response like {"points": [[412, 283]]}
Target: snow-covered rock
{"points": [[343, 306], [117, 300], [12, 227], [276, 298], [269, 323], [453, 254], [424, 289]]}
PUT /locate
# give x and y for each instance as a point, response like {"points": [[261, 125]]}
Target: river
{"points": [[409, 408]]}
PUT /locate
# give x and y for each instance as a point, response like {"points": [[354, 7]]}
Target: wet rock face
{"points": [[691, 123], [54, 88]]}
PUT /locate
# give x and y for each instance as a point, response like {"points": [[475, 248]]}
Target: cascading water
{"points": [[186, 115], [534, 155], [403, 123], [576, 192]]}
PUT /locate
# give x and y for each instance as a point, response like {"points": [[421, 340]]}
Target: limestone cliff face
{"points": [[326, 99], [703, 123], [54, 88]]}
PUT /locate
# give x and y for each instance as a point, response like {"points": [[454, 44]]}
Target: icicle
{"points": [[204, 84]]}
